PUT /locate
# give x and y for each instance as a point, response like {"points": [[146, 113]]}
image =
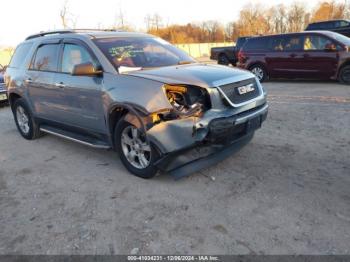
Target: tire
{"points": [[344, 75], [259, 71], [223, 60], [140, 162], [25, 121]]}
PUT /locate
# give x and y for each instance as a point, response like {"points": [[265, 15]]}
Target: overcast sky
{"points": [[20, 18]]}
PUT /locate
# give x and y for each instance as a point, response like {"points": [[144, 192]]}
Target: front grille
{"points": [[231, 91]]}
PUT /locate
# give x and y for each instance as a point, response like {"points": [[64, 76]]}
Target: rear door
{"points": [[318, 61], [44, 95], [285, 56], [81, 102]]}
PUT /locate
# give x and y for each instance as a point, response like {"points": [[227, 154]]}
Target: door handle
{"points": [[60, 85], [28, 81], [292, 55]]}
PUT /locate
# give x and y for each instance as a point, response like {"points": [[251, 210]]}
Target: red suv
{"points": [[313, 54]]}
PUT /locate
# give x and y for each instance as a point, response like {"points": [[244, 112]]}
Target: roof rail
{"points": [[66, 31], [49, 33]]}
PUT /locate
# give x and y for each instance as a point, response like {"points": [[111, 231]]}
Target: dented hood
{"points": [[202, 75]]}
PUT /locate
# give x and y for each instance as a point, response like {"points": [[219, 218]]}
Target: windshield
{"points": [[141, 52]]}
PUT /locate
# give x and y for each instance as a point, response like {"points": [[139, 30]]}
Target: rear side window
{"points": [[256, 44], [46, 58], [286, 43], [20, 55]]}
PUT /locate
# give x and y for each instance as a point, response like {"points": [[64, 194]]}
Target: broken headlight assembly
{"points": [[187, 100]]}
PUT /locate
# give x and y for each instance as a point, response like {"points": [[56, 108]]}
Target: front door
{"points": [[320, 56], [81, 96]]}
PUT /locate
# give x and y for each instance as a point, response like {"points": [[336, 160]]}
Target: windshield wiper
{"points": [[127, 69]]}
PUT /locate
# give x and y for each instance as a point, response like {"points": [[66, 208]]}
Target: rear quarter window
{"points": [[20, 55], [256, 44]]}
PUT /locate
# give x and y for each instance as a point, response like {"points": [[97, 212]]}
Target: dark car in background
{"points": [[338, 26], [3, 92], [228, 54], [314, 55]]}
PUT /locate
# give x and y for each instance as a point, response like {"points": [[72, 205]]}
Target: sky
{"points": [[21, 18]]}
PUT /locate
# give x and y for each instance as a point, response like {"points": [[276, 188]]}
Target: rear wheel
{"points": [[259, 71], [136, 152], [344, 75], [223, 60], [25, 122]]}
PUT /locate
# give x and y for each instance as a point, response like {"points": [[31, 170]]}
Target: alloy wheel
{"points": [[258, 72], [22, 120], [135, 147]]}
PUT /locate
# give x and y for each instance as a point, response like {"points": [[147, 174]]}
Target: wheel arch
{"points": [[13, 97], [115, 114], [258, 63], [262, 65], [131, 113], [345, 63], [224, 55]]}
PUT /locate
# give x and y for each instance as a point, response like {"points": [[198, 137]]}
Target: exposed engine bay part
{"points": [[187, 100]]}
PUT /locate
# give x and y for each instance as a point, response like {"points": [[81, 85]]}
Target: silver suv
{"points": [[135, 93]]}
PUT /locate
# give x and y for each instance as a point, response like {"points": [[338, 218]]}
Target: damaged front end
{"points": [[204, 125]]}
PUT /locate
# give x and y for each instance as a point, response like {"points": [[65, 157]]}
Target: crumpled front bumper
{"points": [[190, 144]]}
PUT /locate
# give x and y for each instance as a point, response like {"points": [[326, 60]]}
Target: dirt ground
{"points": [[287, 192]]}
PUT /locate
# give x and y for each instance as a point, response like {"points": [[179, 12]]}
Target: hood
{"points": [[203, 75]]}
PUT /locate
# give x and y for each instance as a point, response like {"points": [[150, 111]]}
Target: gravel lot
{"points": [[287, 192]]}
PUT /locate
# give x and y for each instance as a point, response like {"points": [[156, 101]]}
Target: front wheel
{"points": [[344, 75], [135, 151], [259, 71]]}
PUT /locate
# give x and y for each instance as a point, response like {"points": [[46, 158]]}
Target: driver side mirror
{"points": [[330, 48], [86, 69]]}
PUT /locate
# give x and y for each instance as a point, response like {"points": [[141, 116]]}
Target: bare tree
{"points": [[148, 21], [230, 30], [120, 19], [153, 22], [296, 16], [157, 21], [68, 20], [278, 19]]}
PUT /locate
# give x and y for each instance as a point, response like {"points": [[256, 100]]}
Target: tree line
{"points": [[254, 19]]}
